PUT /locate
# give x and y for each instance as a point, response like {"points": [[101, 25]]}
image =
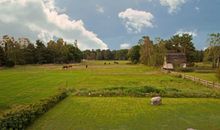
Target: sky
{"points": [[108, 24]]}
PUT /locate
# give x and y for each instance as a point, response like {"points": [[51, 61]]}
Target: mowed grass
{"points": [[28, 84], [126, 113], [206, 76]]}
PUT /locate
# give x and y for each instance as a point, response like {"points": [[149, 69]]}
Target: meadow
{"points": [[28, 84], [126, 113], [206, 76]]}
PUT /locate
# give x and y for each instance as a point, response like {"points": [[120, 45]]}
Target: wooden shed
{"points": [[174, 59]]}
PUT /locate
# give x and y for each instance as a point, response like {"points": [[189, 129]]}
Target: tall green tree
{"points": [[29, 54], [159, 52], [214, 49], [2, 56], [134, 54], [182, 43], [146, 51], [41, 52]]}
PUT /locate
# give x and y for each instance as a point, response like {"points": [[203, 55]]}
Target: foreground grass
{"points": [[81, 113], [28, 84]]}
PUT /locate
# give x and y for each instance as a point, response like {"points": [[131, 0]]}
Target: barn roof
{"points": [[176, 57]]}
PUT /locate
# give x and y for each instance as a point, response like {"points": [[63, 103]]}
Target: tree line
{"points": [[98, 54], [12, 52], [146, 51]]}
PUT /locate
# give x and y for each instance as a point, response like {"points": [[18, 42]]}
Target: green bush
{"points": [[20, 117], [122, 91], [188, 69], [9, 63], [146, 91]]}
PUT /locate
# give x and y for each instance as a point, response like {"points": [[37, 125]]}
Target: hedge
{"points": [[20, 117], [145, 91]]}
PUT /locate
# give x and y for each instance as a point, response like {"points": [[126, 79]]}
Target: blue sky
{"points": [[113, 24]]}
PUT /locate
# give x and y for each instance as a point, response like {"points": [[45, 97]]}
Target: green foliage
{"points": [[152, 54], [54, 52], [134, 54], [182, 44], [188, 69], [213, 51], [121, 91], [146, 91], [146, 51], [199, 56], [9, 63], [29, 54], [105, 54], [2, 56], [20, 117]]}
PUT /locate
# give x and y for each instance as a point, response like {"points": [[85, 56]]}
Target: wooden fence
{"points": [[198, 80]]}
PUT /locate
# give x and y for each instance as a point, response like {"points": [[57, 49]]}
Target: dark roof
{"points": [[176, 57]]}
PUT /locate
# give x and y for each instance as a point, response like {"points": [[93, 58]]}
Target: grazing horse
{"points": [[116, 62], [65, 67]]}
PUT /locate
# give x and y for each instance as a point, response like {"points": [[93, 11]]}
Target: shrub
{"points": [[188, 69], [20, 117], [205, 71], [9, 63], [122, 91], [146, 91]]}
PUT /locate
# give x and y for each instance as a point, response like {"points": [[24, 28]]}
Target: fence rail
{"points": [[198, 80]]}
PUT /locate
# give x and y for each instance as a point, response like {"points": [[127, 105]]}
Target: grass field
{"points": [[76, 113], [28, 84], [206, 76], [205, 71]]}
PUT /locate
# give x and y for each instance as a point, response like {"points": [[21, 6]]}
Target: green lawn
{"points": [[29, 84], [206, 76], [82, 113]]}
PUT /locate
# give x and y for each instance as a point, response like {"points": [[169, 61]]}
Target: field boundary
{"points": [[197, 80], [18, 118]]}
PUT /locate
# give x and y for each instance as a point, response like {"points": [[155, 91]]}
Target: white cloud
{"points": [[173, 5], [125, 46], [181, 32], [136, 20], [42, 19], [100, 9]]}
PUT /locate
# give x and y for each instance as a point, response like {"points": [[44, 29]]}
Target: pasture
{"points": [[126, 113], [28, 84], [206, 76]]}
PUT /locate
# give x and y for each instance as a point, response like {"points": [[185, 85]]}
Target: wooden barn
{"points": [[174, 59]]}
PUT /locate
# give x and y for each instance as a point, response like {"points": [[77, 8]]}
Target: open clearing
{"points": [[28, 84], [125, 113]]}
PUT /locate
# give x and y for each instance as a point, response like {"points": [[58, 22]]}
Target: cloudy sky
{"points": [[109, 24]]}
